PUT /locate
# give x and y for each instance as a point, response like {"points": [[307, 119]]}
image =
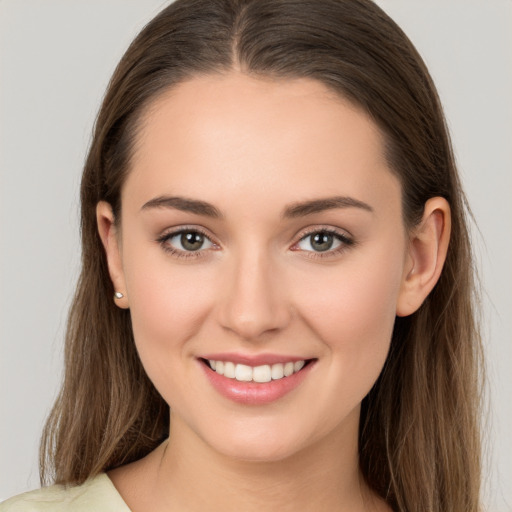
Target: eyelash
{"points": [[178, 253], [346, 242]]}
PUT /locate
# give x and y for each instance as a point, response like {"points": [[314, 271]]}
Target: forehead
{"points": [[221, 135]]}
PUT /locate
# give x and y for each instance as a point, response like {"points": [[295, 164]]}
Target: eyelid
{"points": [[174, 231], [346, 238], [310, 230]]}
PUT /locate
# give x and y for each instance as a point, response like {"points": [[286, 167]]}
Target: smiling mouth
{"points": [[261, 374]]}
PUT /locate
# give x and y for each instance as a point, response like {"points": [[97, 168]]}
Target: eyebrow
{"points": [[185, 205], [295, 210], [302, 209]]}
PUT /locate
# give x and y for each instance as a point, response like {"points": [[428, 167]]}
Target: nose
{"points": [[254, 298]]}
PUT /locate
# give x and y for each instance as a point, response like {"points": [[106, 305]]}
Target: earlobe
{"points": [[110, 239], [428, 246]]}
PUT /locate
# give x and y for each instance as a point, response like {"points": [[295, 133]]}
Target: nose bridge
{"points": [[255, 303]]}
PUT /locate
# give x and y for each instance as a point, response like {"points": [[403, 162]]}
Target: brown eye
{"points": [[187, 241], [323, 241], [192, 241]]}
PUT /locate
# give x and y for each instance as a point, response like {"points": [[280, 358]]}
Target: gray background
{"points": [[56, 57]]}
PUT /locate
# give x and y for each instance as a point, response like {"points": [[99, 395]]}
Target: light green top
{"points": [[97, 494]]}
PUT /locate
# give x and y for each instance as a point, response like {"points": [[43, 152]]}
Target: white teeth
{"points": [[263, 373], [298, 366], [277, 371], [229, 369], [243, 373], [288, 369]]}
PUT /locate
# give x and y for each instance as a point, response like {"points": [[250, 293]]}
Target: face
{"points": [[262, 230]]}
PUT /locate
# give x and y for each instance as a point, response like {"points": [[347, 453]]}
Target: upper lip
{"points": [[253, 359]]}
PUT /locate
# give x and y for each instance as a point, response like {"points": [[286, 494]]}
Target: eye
{"points": [[322, 241], [189, 240]]}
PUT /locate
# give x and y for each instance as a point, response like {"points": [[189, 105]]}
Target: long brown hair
{"points": [[419, 442]]}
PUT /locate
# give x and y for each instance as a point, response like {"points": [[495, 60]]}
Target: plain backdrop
{"points": [[56, 57]]}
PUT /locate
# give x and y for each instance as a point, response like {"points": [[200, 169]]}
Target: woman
{"points": [[271, 199]]}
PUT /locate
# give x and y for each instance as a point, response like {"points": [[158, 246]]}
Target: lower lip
{"points": [[255, 393]]}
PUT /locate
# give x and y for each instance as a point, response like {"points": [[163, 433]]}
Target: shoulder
{"points": [[97, 493]]}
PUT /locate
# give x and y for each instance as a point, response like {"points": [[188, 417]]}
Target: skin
{"points": [[251, 148]]}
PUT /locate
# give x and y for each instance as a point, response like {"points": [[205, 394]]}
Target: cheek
{"points": [[168, 305], [352, 310], [164, 305]]}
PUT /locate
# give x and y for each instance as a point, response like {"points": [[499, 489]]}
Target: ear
{"points": [[110, 238], [426, 254]]}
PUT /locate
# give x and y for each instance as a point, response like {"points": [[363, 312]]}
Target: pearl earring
{"points": [[118, 295]]}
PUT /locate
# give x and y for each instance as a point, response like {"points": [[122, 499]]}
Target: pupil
{"points": [[322, 241], [192, 241]]}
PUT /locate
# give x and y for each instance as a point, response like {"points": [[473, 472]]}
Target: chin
{"points": [[259, 450], [259, 442]]}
